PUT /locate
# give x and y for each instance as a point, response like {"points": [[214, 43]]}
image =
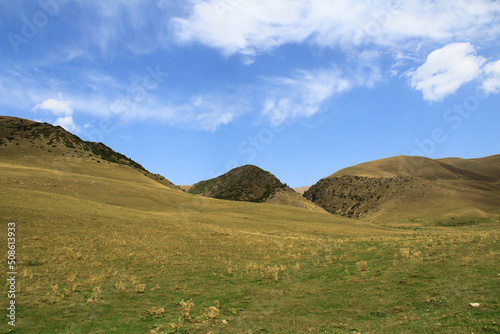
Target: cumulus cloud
{"points": [[445, 70], [56, 107], [68, 123], [492, 84], [63, 110]]}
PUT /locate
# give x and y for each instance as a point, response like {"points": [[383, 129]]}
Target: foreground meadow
{"points": [[106, 250]]}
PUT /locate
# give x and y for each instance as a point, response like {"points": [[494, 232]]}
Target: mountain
{"points": [[406, 187], [302, 190], [251, 184], [33, 141]]}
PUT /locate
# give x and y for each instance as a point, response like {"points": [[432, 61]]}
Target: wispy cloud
{"points": [[201, 112], [253, 27], [398, 33], [492, 84], [106, 97], [303, 94], [108, 28]]}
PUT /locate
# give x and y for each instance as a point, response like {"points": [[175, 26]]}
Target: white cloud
{"points": [[203, 112], [280, 98], [56, 107], [107, 97], [445, 70], [112, 25], [246, 26], [492, 84], [68, 123], [304, 94], [250, 27], [62, 109], [253, 27], [200, 112]]}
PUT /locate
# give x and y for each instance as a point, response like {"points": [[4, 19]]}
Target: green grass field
{"points": [[103, 249]]}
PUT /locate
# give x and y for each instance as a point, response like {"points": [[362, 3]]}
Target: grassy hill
{"points": [[404, 187], [251, 184], [34, 142], [417, 167], [102, 248]]}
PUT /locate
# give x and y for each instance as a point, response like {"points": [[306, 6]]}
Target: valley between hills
{"points": [[398, 245]]}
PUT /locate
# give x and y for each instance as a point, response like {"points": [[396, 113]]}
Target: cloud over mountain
{"points": [[63, 110], [447, 69]]}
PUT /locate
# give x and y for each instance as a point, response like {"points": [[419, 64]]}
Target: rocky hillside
{"points": [[251, 184], [31, 139], [411, 187]]}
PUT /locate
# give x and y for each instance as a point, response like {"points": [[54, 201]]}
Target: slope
{"points": [[412, 166], [488, 167], [405, 187], [34, 142]]}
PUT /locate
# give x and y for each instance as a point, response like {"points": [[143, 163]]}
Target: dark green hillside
{"points": [[247, 183], [252, 184]]}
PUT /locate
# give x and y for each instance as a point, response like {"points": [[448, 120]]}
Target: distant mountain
{"points": [[33, 139], [302, 190], [185, 187], [407, 187], [251, 184]]}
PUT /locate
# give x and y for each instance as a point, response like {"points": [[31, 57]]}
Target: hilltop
{"points": [[251, 184], [406, 187], [33, 142], [427, 169]]}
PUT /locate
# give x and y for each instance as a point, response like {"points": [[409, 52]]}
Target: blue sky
{"points": [[191, 89]]}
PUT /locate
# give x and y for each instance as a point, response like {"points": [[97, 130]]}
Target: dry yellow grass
{"points": [[104, 249]]}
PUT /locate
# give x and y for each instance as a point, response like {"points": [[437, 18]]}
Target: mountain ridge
{"points": [[407, 187]]}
